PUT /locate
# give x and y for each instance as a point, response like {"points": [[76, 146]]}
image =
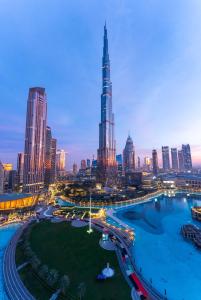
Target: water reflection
{"points": [[150, 215]]}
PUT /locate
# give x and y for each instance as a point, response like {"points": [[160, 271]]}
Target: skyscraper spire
{"points": [[106, 151]]}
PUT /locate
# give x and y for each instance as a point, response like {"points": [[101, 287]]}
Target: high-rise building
{"points": [[83, 164], [119, 160], [129, 156], [155, 162], [61, 162], [174, 157], [166, 158], [107, 148], [1, 178], [138, 163], [88, 163], [48, 145], [75, 169], [181, 160], [53, 159], [35, 135], [20, 167], [187, 157], [147, 164]]}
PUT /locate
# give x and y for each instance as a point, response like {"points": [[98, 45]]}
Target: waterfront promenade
{"points": [[13, 284]]}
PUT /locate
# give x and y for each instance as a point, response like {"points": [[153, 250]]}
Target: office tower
{"points": [[7, 169], [107, 149], [1, 178], [166, 158], [187, 157], [35, 135], [174, 157], [48, 144], [129, 156], [155, 162], [12, 180], [75, 170], [88, 163], [147, 163], [181, 160], [61, 162], [138, 163], [83, 165], [119, 160], [20, 167], [53, 160]]}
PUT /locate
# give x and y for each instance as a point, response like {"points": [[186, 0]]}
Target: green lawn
{"points": [[74, 252]]}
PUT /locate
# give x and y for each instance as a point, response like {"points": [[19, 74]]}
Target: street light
{"points": [[90, 230]]}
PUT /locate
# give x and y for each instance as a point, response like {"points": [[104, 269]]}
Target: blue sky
{"points": [[155, 52]]}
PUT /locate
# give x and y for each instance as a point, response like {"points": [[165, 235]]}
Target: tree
{"points": [[81, 290], [64, 284], [43, 272], [52, 277], [35, 262]]}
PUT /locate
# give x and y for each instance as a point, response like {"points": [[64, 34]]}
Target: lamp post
{"points": [[90, 230]]}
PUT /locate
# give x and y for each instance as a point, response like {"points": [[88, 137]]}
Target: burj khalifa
{"points": [[107, 146]]}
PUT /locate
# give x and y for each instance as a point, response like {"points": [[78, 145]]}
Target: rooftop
{"points": [[13, 196]]}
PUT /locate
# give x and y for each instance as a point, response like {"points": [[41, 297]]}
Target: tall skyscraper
{"points": [[129, 156], [53, 159], [155, 162], [174, 157], [88, 163], [107, 148], [119, 160], [83, 164], [166, 158], [75, 169], [20, 167], [35, 136], [181, 160], [187, 157], [138, 163], [1, 178], [147, 164], [48, 156], [61, 162]]}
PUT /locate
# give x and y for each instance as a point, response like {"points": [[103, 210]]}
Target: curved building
{"points": [[9, 202]]}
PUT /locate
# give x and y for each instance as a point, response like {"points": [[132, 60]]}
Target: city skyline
{"points": [[133, 71]]}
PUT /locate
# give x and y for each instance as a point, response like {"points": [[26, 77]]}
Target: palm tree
{"points": [[64, 284], [81, 290]]}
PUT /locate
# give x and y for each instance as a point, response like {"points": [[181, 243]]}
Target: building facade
{"points": [[174, 157], [61, 163], [107, 149], [129, 156], [35, 137], [1, 178], [166, 158], [20, 167], [53, 159], [187, 157], [155, 162], [181, 160], [48, 146]]}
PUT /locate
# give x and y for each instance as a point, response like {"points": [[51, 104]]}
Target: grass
{"points": [[72, 251]]}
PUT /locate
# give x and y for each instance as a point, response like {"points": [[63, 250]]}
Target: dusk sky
{"points": [[155, 53]]}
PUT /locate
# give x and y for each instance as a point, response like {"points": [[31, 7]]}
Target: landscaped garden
{"points": [[65, 258]]}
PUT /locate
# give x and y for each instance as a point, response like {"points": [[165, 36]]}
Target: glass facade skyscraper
{"points": [[174, 157], [155, 162], [107, 148], [187, 157], [166, 158], [35, 137]]}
